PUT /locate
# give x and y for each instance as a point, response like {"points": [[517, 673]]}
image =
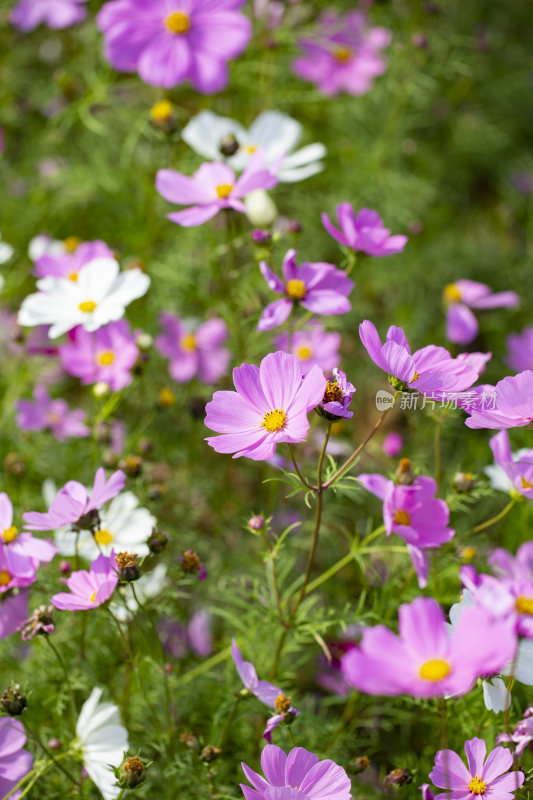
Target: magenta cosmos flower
{"points": [[520, 350], [15, 762], [89, 589], [73, 506], [482, 777], [269, 407], [461, 325], [511, 406], [194, 352], [266, 692], [337, 398], [318, 287], [28, 14], [312, 346], [415, 514], [24, 550], [107, 354], [522, 735], [212, 188], [296, 776], [171, 41], [425, 660], [430, 370], [364, 232], [69, 263], [343, 55], [43, 413]]}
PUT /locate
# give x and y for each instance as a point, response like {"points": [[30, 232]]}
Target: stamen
{"points": [[452, 293], [10, 534], [73, 276], [524, 605], [250, 148], [5, 577], [106, 358], [477, 786], [434, 670], [282, 704], [178, 22], [342, 54], [103, 536], [188, 342], [274, 420], [295, 289], [304, 352], [415, 377], [402, 518], [526, 484], [333, 393], [87, 306], [71, 243], [224, 190], [92, 598]]}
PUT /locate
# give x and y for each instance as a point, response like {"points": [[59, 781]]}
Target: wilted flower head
{"points": [[316, 780], [191, 563], [490, 776], [461, 324], [169, 43], [363, 231], [40, 622], [318, 287], [344, 54], [212, 188], [269, 407]]}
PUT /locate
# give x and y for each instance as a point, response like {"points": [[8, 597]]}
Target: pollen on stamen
{"points": [[274, 420], [295, 289], [415, 377], [524, 605], [10, 534], [402, 518], [224, 190], [526, 484], [87, 306], [434, 670], [178, 22], [92, 598], [5, 577], [477, 786], [105, 358]]}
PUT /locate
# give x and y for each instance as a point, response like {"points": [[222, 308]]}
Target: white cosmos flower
{"points": [[276, 133], [103, 742], [6, 251], [98, 296], [44, 245], [147, 587], [123, 527]]}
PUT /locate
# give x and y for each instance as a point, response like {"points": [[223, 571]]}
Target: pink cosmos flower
{"points": [[482, 777], [212, 188], [21, 549], [45, 414], [69, 263], [364, 232], [314, 779], [520, 350], [343, 55], [415, 514], [392, 444], [319, 287], [430, 370], [269, 407], [28, 14], [171, 41], [266, 692], [107, 354], [517, 471], [512, 405], [461, 325], [13, 611], [89, 589], [313, 346], [194, 353], [15, 762], [72, 505], [424, 660], [522, 735]]}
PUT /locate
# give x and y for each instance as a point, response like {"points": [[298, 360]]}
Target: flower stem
{"points": [[348, 463], [55, 761], [297, 469], [274, 577], [66, 674], [497, 518]]}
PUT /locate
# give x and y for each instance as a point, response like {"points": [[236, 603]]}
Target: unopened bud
{"points": [[132, 465], [128, 569], [132, 772], [144, 341], [100, 389], [229, 145], [361, 764], [463, 482], [261, 237], [13, 701], [404, 474], [64, 567], [158, 541], [54, 744], [210, 753], [257, 522]]}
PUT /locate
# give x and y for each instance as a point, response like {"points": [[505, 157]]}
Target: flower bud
{"points": [[190, 562], [65, 567], [261, 237], [13, 701], [100, 389], [144, 341], [361, 764], [158, 541], [228, 145], [128, 569], [398, 777], [260, 208], [463, 482], [132, 465], [54, 744], [257, 522], [294, 226], [132, 772], [404, 474]]}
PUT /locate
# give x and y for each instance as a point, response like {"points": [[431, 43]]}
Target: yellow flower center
{"points": [[524, 605], [250, 148], [10, 534], [71, 243], [451, 293], [526, 484], [105, 358], [53, 418], [282, 704], [434, 670], [87, 306], [468, 553], [304, 352], [224, 190], [103, 537], [92, 598], [73, 276], [295, 289], [178, 22], [477, 786], [188, 342], [5, 577], [274, 420], [402, 518], [167, 397], [342, 54], [162, 111]]}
